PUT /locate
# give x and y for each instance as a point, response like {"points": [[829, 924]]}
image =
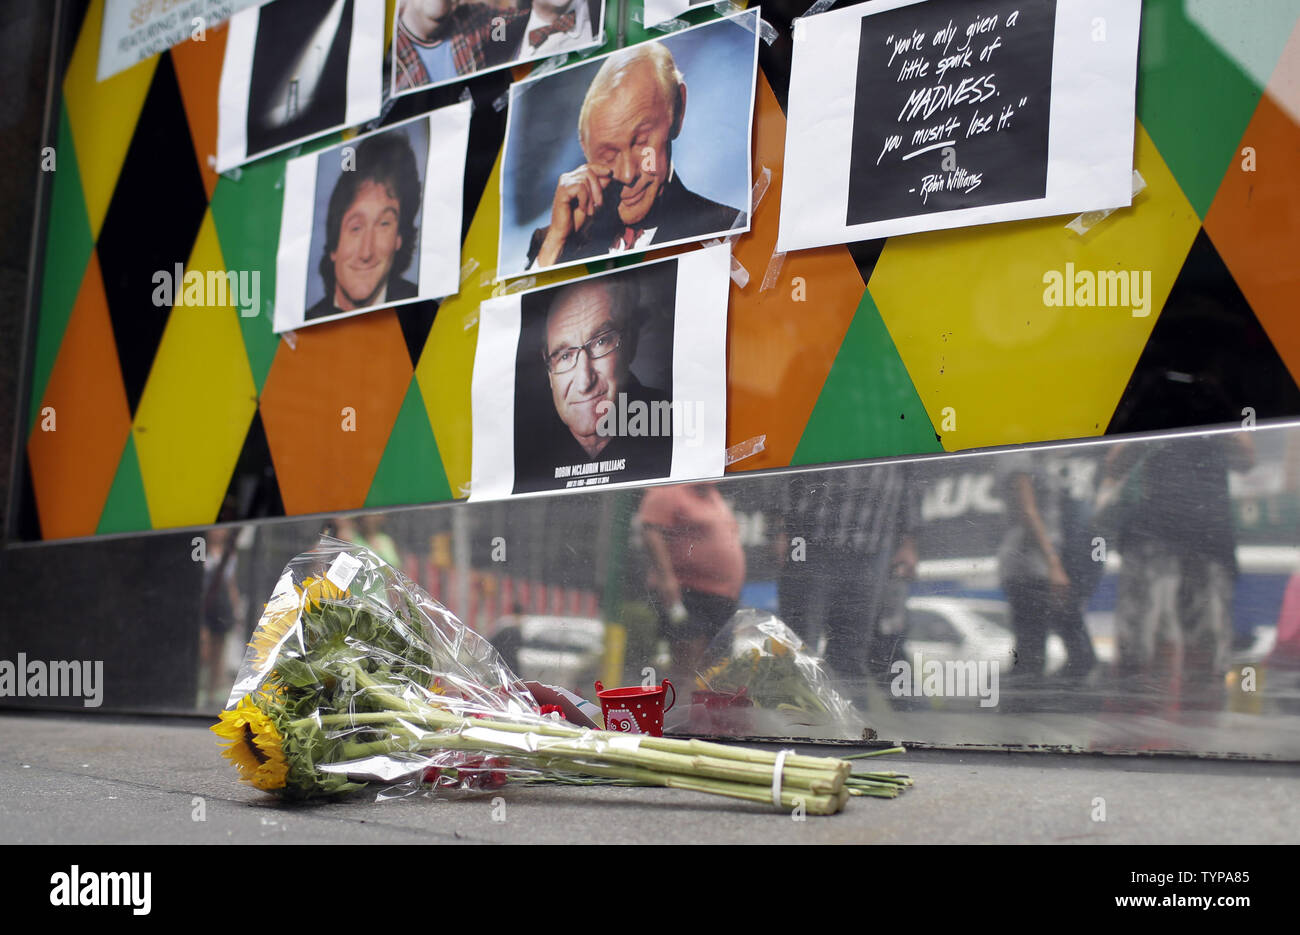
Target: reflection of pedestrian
{"points": [[697, 565], [1173, 612], [218, 605], [1286, 647], [1043, 564], [371, 535], [849, 552]]}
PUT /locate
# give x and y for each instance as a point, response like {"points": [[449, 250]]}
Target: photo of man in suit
{"points": [[437, 41], [586, 337], [370, 233], [298, 80], [628, 196]]}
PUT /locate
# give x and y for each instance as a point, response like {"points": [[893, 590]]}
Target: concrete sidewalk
{"points": [[76, 779]]}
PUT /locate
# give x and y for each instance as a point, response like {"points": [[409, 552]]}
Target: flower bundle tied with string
{"points": [[354, 675]]}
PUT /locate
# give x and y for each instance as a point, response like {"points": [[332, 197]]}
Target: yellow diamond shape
{"points": [[102, 114], [995, 364], [199, 400], [446, 368]]}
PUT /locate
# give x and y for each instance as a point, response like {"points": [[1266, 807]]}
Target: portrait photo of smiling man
{"points": [[353, 234], [609, 379], [370, 231], [590, 334], [615, 156]]}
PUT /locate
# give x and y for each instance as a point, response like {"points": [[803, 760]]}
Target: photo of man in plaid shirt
{"points": [[440, 40]]}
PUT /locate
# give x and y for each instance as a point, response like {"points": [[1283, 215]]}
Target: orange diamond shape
{"points": [[329, 405], [84, 420]]}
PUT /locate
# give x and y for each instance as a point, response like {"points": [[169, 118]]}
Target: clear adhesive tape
{"points": [[821, 6], [746, 449]]}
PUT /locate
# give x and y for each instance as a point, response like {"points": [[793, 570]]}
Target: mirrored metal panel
{"points": [[1129, 595]]}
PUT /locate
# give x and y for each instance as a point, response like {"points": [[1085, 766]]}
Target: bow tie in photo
{"points": [[561, 24]]}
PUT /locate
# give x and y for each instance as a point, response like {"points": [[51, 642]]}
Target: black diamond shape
{"points": [[152, 220], [416, 320], [865, 254], [253, 491], [25, 525], [1208, 357], [775, 58]]}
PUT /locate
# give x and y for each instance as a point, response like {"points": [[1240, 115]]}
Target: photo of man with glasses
{"points": [[584, 339]]}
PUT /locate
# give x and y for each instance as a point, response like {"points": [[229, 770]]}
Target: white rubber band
{"points": [[777, 767]]}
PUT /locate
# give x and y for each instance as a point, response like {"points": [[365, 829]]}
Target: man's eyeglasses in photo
{"points": [[565, 359]]}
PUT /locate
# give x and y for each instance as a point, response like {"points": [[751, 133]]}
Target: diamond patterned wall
{"points": [[168, 416]]}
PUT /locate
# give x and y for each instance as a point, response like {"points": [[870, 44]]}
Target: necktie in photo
{"points": [[561, 24], [630, 236]]}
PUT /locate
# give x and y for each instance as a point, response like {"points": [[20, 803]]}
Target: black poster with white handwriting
{"points": [[952, 109]]}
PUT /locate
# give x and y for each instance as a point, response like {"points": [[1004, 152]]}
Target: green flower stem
{"points": [[895, 778], [698, 766], [883, 785], [703, 766], [813, 803], [551, 729], [874, 792], [746, 754], [699, 761], [355, 720], [863, 756]]}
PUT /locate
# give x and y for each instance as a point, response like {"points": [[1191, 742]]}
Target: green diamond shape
{"points": [[126, 509], [67, 250], [411, 468], [868, 407], [246, 212]]}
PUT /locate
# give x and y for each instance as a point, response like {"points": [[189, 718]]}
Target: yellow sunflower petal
{"points": [[315, 590], [253, 745], [278, 619]]}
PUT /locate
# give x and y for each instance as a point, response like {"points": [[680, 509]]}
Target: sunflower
{"points": [[253, 745], [315, 590], [776, 647], [278, 619]]}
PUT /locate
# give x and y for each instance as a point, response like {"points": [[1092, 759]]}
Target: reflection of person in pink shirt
{"points": [[697, 566]]}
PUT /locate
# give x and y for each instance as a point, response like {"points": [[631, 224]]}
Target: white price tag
{"points": [[343, 569]]}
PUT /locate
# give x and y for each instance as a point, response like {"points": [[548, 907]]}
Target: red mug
{"points": [[635, 710]]}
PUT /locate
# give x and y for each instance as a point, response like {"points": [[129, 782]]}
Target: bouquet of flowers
{"points": [[759, 659], [355, 675]]}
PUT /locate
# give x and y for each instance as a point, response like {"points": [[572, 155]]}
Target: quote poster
{"points": [[915, 115]]}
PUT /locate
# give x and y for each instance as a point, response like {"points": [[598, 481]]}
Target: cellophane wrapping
{"points": [[354, 675], [347, 654], [759, 679]]}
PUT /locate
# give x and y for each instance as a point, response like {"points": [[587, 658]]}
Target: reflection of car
{"points": [[564, 651], [961, 628]]}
